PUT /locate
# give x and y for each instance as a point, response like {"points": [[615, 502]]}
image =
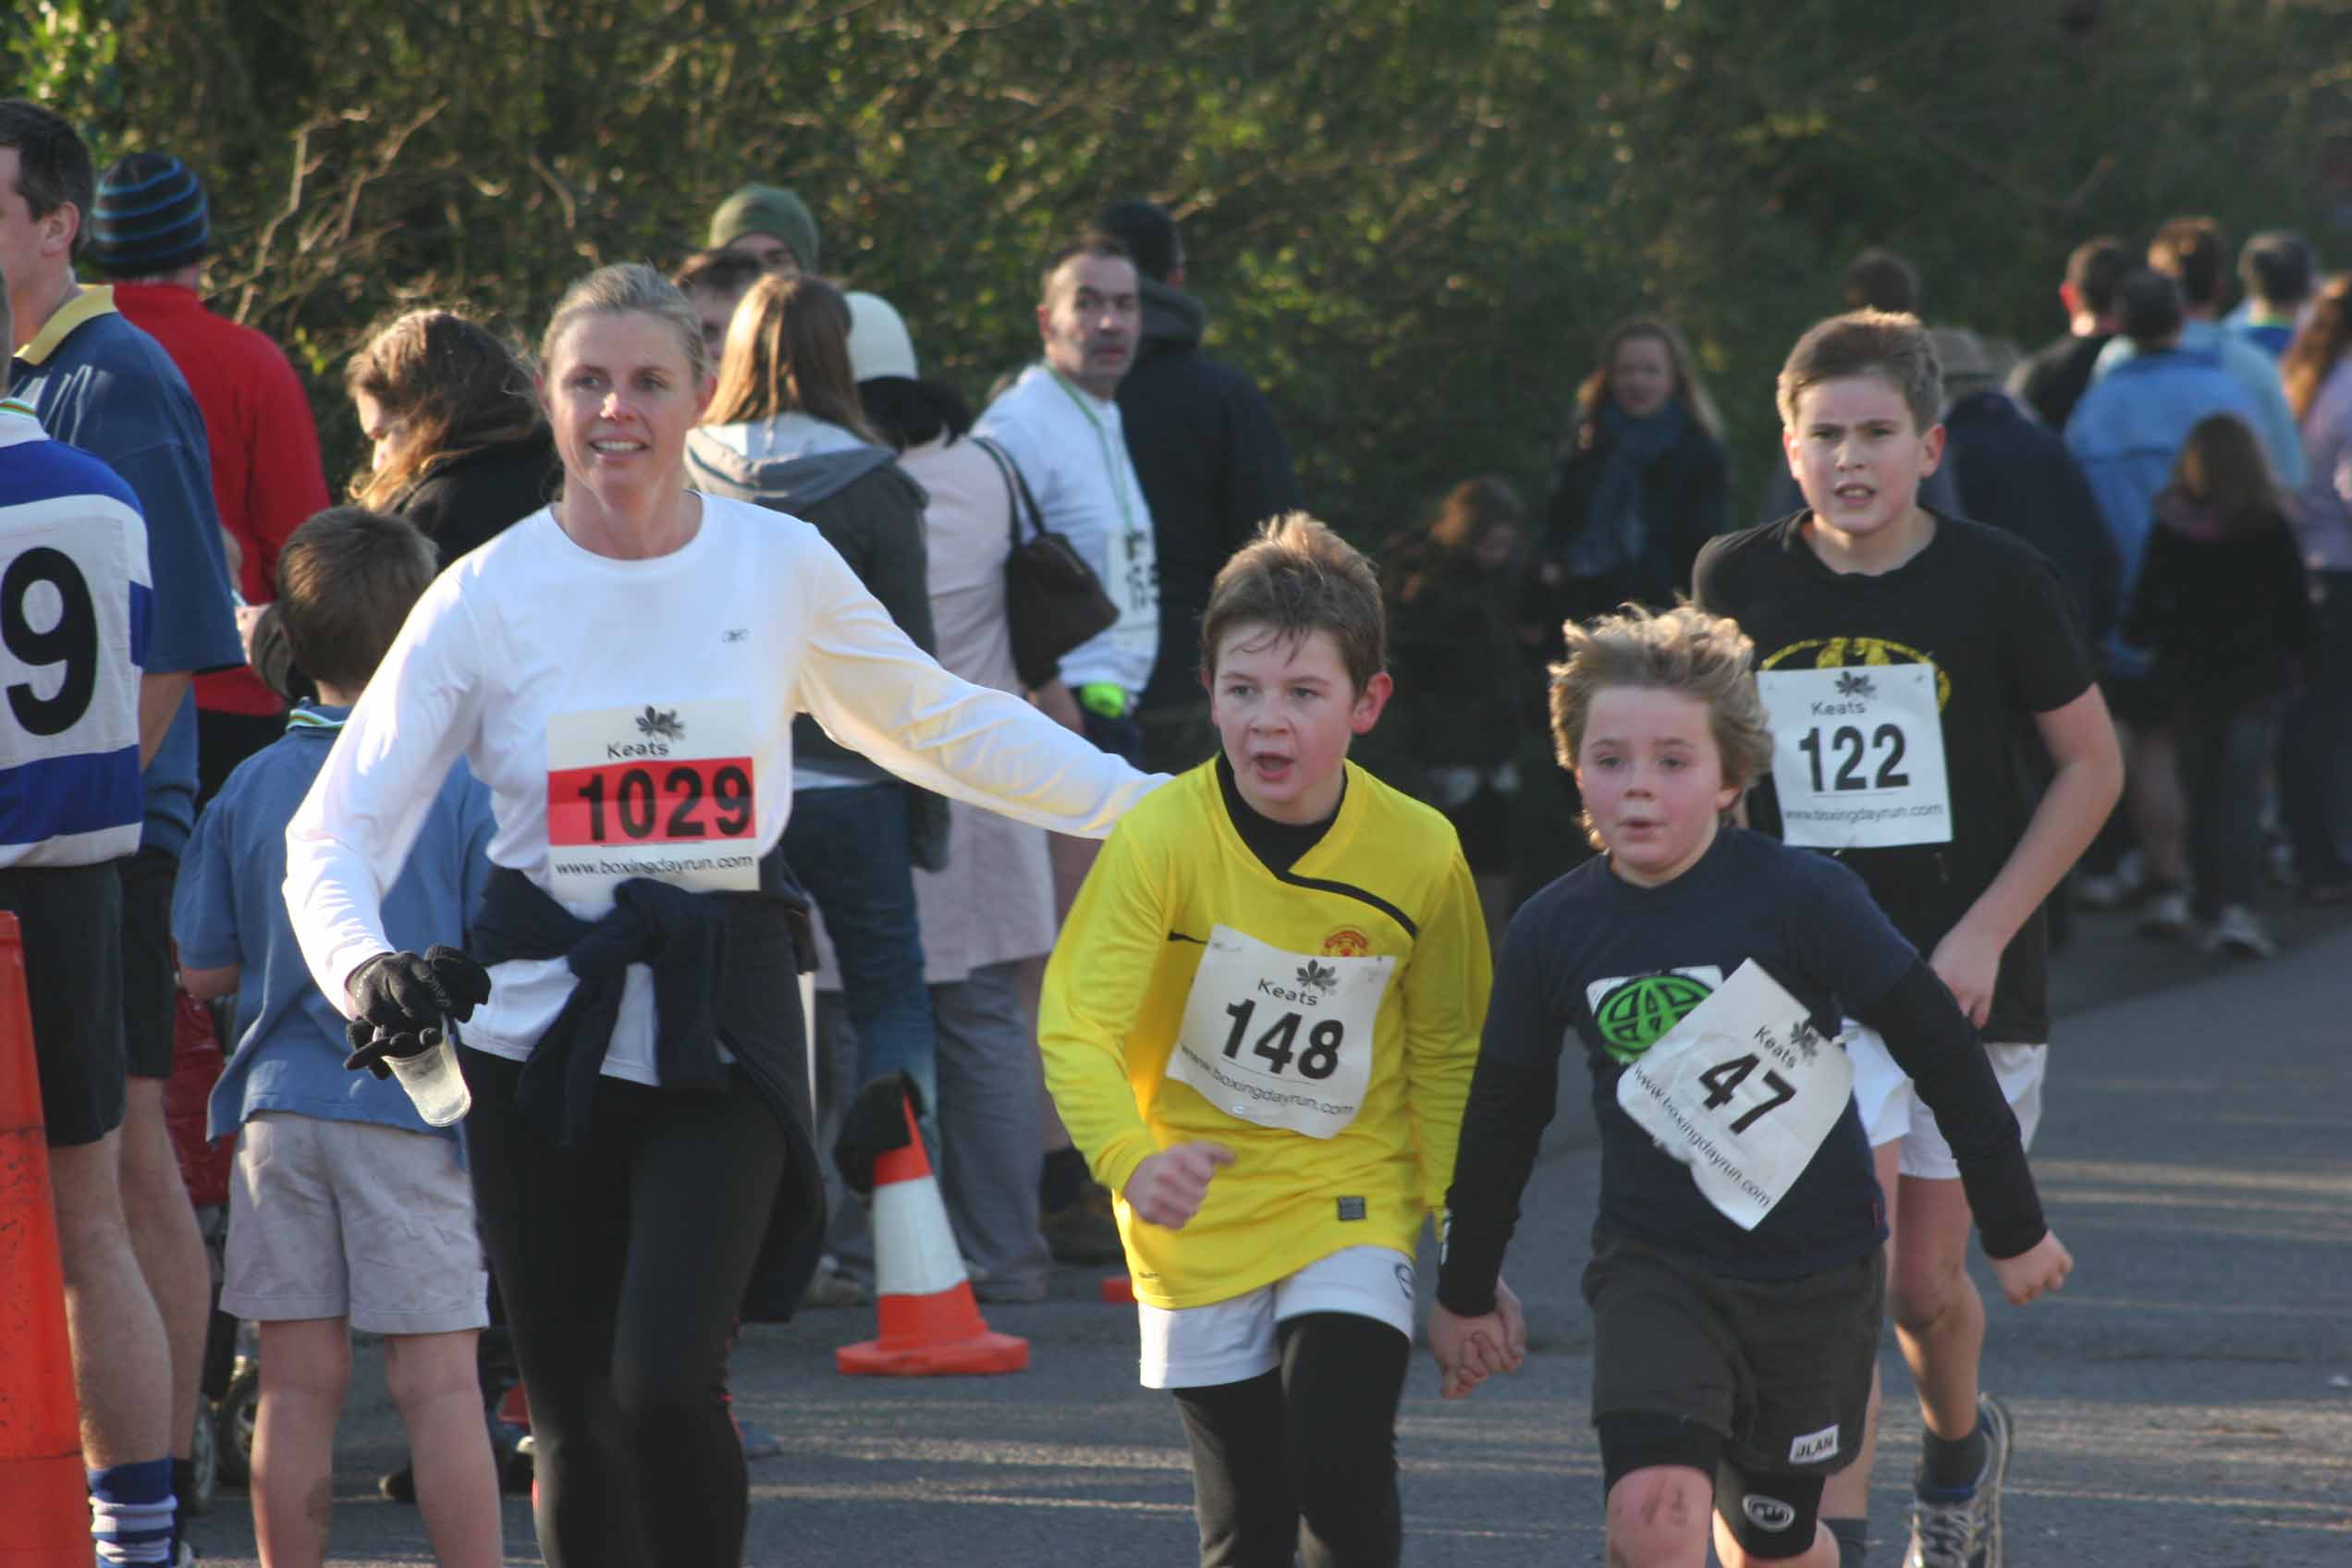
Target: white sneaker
{"points": [[1964, 1531], [2240, 931], [2114, 888], [2167, 914], [835, 1286]]}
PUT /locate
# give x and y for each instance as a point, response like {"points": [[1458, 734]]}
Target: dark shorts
{"points": [[71, 920], [1778, 1368], [148, 977]]}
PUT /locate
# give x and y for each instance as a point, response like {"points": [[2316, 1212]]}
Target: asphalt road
{"points": [[2187, 1400]]}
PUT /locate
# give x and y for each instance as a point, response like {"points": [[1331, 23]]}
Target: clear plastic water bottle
{"points": [[435, 1085]]}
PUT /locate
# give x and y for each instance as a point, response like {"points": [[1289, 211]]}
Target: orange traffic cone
{"points": [[929, 1322], [45, 1510]]}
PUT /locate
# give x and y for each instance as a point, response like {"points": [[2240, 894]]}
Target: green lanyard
{"points": [[1111, 459]]}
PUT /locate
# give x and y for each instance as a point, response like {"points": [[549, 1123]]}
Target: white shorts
{"points": [[1231, 1342], [1892, 1109], [349, 1219]]}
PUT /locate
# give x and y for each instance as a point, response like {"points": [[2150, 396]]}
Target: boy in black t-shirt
{"points": [[1907, 659], [1736, 1280]]}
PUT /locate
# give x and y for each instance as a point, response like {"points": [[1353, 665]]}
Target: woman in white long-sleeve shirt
{"points": [[622, 669]]}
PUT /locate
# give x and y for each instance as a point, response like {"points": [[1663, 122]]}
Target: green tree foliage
{"points": [[1410, 222]]}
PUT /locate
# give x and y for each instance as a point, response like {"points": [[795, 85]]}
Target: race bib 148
{"points": [[1280, 1038]]}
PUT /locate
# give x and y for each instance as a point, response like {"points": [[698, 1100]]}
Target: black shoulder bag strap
{"points": [[1021, 503]]}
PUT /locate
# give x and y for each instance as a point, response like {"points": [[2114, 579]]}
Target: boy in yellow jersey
{"points": [[1259, 1026]]}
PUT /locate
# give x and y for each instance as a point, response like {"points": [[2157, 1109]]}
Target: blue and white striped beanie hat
{"points": [[151, 217]]}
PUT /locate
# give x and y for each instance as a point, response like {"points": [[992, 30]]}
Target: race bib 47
{"points": [[1742, 1090]]}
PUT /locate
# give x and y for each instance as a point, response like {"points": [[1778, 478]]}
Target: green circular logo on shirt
{"points": [[1633, 1017]]}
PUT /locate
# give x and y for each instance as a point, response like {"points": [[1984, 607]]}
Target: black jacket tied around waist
{"points": [[725, 970]]}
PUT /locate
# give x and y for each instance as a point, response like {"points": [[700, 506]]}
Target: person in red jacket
{"points": [[150, 230]]}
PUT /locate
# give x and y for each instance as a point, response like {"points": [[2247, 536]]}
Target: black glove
{"points": [[874, 1126], [405, 1002], [370, 1045]]}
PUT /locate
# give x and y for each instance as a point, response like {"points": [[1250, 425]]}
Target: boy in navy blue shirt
{"points": [[347, 1210], [1737, 1276]]}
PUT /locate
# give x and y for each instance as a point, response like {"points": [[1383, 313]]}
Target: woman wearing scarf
{"points": [[1640, 486]]}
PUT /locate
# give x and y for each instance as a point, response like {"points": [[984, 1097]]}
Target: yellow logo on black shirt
{"points": [[1839, 653]]}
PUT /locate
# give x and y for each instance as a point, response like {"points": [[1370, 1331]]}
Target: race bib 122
{"points": [[1857, 756]]}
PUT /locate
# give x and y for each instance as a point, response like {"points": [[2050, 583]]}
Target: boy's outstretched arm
{"points": [[2081, 739], [1476, 1326]]}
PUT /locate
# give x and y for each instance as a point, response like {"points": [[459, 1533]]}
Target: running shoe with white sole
{"points": [[1963, 1530], [2167, 914], [2240, 931], [2112, 890]]}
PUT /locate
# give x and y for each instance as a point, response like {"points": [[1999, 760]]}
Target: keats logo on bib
{"points": [[1346, 941], [1315, 982], [1633, 1011]]}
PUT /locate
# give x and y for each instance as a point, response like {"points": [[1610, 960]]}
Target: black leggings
{"points": [[1303, 1459], [622, 1261]]}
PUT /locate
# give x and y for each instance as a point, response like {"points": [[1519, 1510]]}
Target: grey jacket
{"points": [[854, 494]]}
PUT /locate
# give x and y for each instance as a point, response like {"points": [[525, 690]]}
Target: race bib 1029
{"points": [[1280, 1038], [1857, 756], [662, 792], [1742, 1090]]}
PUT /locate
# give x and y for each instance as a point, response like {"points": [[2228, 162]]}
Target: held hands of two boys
{"points": [[1470, 1350], [1169, 1188], [2040, 1268], [404, 1001]]}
